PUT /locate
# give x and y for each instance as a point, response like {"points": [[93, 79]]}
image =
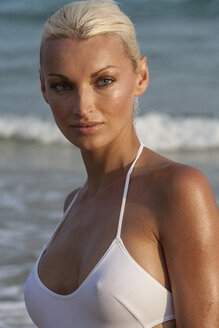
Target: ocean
{"points": [[179, 117]]}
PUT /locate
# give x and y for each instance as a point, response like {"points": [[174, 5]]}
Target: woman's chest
{"points": [[86, 235], [117, 293]]}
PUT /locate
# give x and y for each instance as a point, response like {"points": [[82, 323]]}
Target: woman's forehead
{"points": [[105, 49]]}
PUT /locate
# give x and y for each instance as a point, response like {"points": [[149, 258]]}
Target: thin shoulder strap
{"points": [[62, 220], [126, 191]]}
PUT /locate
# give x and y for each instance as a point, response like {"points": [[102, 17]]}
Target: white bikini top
{"points": [[117, 293]]}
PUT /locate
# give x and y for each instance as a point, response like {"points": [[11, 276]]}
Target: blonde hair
{"points": [[83, 19]]}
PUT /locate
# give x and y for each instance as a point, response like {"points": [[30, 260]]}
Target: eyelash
{"points": [[57, 85], [67, 86]]}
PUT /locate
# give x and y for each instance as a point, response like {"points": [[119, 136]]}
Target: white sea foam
{"points": [[30, 129], [158, 131], [163, 132], [13, 314]]}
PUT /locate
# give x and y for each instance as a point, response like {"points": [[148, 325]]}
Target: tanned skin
{"points": [[171, 219]]}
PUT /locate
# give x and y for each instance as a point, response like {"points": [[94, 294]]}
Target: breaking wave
{"points": [[155, 130]]}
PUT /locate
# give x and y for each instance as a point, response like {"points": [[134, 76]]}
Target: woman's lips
{"points": [[87, 128]]}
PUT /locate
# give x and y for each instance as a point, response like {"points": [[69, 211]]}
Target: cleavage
{"points": [[78, 246]]}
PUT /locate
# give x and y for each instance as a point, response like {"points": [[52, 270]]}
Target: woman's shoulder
{"points": [[184, 199], [183, 183], [176, 189], [169, 176], [69, 199], [178, 178]]}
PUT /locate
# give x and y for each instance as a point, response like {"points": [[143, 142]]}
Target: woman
{"points": [[138, 245]]}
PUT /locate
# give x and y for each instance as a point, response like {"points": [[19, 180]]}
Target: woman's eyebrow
{"points": [[59, 75], [92, 75], [102, 69]]}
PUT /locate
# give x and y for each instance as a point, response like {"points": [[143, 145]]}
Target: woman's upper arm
{"points": [[190, 239]]}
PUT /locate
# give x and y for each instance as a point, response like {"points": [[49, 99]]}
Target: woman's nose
{"points": [[83, 102]]}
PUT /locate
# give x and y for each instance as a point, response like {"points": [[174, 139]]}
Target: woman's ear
{"points": [[142, 77], [43, 86]]}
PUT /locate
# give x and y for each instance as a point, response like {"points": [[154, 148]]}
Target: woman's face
{"points": [[90, 86]]}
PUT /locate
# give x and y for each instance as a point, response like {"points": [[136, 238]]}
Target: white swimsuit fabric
{"points": [[117, 293]]}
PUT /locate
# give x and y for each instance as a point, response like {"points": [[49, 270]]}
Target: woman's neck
{"points": [[106, 163]]}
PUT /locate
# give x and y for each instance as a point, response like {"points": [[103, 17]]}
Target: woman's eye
{"points": [[61, 86], [104, 82]]}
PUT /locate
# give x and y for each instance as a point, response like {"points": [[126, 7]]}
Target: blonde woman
{"points": [[138, 244]]}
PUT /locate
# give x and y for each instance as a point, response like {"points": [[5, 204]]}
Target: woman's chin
{"points": [[87, 145]]}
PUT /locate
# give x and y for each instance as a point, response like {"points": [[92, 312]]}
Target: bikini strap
{"points": [[126, 191], [122, 205]]}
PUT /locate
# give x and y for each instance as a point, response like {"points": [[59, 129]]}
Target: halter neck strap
{"points": [[126, 191]]}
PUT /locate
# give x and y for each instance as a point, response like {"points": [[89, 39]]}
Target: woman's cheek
{"points": [[60, 109], [123, 99]]}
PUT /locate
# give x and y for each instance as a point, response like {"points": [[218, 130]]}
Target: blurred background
{"points": [[179, 118]]}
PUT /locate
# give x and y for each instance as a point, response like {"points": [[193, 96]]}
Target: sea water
{"points": [[179, 117]]}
